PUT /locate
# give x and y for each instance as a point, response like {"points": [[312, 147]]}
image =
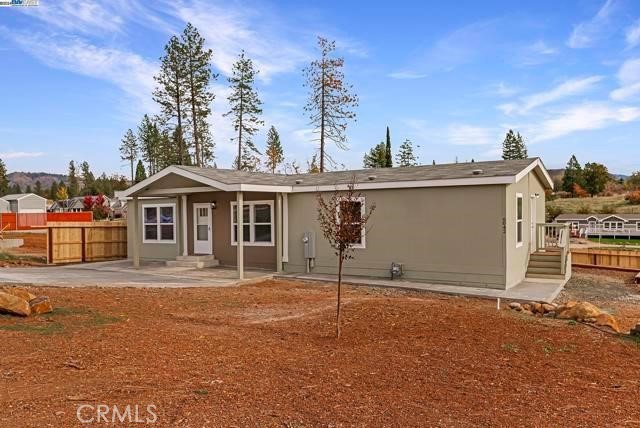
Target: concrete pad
{"points": [[543, 290], [121, 273]]}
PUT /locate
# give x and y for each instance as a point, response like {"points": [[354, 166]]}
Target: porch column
{"points": [[278, 232], [185, 242], [240, 235], [135, 236]]}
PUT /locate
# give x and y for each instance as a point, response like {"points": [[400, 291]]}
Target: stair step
{"points": [[543, 276], [193, 263], [201, 258], [554, 264]]}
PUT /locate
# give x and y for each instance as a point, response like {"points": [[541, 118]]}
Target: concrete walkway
{"points": [[538, 290], [121, 273]]}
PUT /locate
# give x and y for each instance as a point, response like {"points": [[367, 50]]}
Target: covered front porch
{"points": [[189, 220]]}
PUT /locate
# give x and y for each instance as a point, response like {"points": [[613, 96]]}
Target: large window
{"points": [[613, 225], [257, 223], [519, 219], [356, 209], [159, 223]]}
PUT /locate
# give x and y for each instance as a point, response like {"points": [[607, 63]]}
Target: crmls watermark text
{"points": [[104, 413], [7, 3]]}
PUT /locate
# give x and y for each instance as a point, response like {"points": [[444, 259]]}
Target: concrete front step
{"points": [[194, 262], [201, 258]]}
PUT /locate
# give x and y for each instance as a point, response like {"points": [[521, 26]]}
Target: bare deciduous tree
{"points": [[343, 220]]}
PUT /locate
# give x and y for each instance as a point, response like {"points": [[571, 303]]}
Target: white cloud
{"points": [[20, 155], [566, 89], [586, 33], [228, 30], [469, 135], [406, 75], [535, 54], [126, 70], [629, 79], [86, 17], [583, 117], [504, 90], [540, 47], [632, 34]]}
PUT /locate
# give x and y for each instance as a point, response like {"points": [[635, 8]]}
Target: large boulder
{"points": [[14, 305], [578, 311], [19, 292], [40, 305], [605, 319]]}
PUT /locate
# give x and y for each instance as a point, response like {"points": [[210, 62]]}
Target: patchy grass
{"points": [[46, 329], [511, 347], [595, 205], [58, 321], [14, 258], [618, 241]]}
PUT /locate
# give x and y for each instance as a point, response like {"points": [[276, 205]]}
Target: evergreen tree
{"points": [[88, 179], [377, 157], [199, 96], [248, 160], [129, 149], [61, 193], [141, 174], [572, 175], [53, 191], [596, 177], [149, 143], [4, 181], [245, 108], [405, 156], [38, 188], [274, 152], [521, 147], [28, 189], [331, 101], [16, 190], [389, 157], [312, 165], [72, 179], [171, 94], [513, 146]]}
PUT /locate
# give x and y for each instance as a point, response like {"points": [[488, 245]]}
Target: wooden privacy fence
{"points": [[86, 242], [616, 259], [26, 221]]}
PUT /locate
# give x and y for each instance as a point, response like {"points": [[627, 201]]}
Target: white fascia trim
{"points": [[536, 164], [179, 191], [612, 216], [410, 184], [178, 171]]}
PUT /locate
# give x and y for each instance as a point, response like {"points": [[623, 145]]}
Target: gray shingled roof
{"points": [[16, 196], [578, 217], [502, 168]]}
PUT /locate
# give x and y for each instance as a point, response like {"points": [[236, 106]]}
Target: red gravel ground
{"points": [[265, 355]]}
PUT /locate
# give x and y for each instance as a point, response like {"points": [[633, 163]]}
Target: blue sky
{"points": [[450, 76]]}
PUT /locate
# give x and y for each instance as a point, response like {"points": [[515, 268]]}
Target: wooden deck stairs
{"points": [[545, 264]]}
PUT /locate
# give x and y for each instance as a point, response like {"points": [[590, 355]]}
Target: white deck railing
{"points": [[554, 236]]}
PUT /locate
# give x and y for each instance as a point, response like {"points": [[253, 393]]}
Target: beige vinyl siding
{"points": [[444, 234], [517, 257], [158, 250]]}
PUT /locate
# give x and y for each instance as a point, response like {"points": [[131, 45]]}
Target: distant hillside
{"points": [[24, 179]]}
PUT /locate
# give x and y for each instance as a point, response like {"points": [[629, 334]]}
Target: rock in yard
{"points": [[635, 331], [526, 307], [526, 311], [605, 319], [19, 292], [40, 305], [550, 314], [14, 305], [515, 305], [577, 311], [537, 308], [548, 308]]}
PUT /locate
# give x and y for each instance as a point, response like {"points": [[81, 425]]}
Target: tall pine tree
{"points": [[331, 101], [199, 95], [88, 179], [171, 94], [513, 146], [274, 151], [72, 179], [4, 181], [149, 143], [245, 111], [129, 150], [572, 175], [377, 157], [141, 174], [388, 158]]}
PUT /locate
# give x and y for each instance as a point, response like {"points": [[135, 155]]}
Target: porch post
{"points": [[240, 235], [135, 236], [185, 242], [278, 232]]}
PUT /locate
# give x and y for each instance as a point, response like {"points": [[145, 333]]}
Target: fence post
{"points": [[49, 245], [84, 243]]}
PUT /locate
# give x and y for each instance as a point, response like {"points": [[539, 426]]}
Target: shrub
{"points": [[553, 212], [613, 188], [608, 209], [549, 195], [633, 197], [583, 209], [579, 191]]}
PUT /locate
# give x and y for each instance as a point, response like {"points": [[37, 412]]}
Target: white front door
{"points": [[202, 234], [534, 221]]}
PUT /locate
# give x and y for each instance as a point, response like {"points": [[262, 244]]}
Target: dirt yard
{"points": [[265, 355], [32, 253]]}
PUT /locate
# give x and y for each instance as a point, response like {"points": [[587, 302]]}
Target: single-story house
{"points": [[614, 225], [74, 204], [466, 223], [4, 206], [26, 203]]}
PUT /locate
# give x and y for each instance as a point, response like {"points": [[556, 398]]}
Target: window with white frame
{"points": [[613, 225], [257, 223], [356, 207], [159, 223], [519, 219]]}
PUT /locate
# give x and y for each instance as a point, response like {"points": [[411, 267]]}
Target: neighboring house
{"points": [[605, 225], [118, 208], [4, 206], [73, 205], [465, 224], [26, 203]]}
